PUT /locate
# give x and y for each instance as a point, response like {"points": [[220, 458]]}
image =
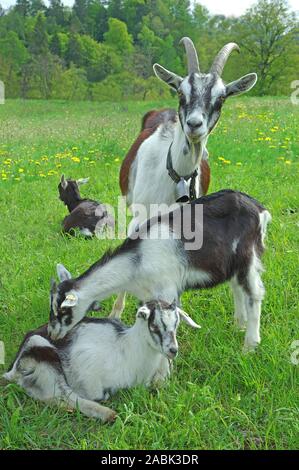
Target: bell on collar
{"points": [[182, 191]]}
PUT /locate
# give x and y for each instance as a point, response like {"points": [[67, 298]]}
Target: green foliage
{"points": [[106, 38], [38, 40], [118, 37], [71, 84]]}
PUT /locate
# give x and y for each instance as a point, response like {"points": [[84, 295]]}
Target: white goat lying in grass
{"points": [[98, 357]]}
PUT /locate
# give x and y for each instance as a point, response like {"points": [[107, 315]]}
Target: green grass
{"points": [[217, 398]]}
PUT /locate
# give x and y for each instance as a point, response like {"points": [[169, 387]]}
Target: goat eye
{"points": [[181, 97]]}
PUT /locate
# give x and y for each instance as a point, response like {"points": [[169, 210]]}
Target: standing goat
{"points": [[88, 216], [170, 152], [98, 357], [161, 265], [172, 145]]}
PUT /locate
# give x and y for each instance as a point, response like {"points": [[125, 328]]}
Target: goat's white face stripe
{"points": [[186, 90], [217, 91]]}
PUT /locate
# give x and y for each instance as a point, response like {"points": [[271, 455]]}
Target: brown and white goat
{"points": [[144, 174], [160, 263], [169, 158], [87, 215]]}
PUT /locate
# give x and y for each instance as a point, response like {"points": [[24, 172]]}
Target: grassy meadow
{"points": [[217, 397]]}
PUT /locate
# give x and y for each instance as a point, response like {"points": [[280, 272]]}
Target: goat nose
{"points": [[194, 123], [173, 351]]}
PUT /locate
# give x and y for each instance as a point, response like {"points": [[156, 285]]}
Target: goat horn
{"points": [[192, 59], [70, 297], [222, 56]]}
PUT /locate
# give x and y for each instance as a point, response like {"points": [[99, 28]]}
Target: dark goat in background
{"points": [[87, 215]]}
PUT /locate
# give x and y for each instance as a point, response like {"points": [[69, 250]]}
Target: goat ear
{"points": [[82, 181], [71, 299], [143, 312], [63, 182], [53, 286], [172, 79], [242, 85], [185, 317], [62, 273]]}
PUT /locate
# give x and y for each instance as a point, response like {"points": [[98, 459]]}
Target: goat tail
{"points": [[265, 219], [89, 408]]}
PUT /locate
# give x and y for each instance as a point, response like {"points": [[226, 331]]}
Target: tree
{"points": [[22, 7], [80, 9], [71, 85], [118, 37], [36, 6], [267, 32], [39, 43], [55, 45], [150, 45], [74, 52], [96, 22], [56, 12], [13, 54]]}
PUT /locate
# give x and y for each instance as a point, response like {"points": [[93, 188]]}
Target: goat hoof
{"points": [[250, 347], [240, 324], [110, 416]]}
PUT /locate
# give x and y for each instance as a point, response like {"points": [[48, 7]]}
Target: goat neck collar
{"points": [[180, 180]]}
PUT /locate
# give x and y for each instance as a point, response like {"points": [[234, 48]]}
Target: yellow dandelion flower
{"points": [[288, 162], [221, 159], [76, 159], [21, 170]]}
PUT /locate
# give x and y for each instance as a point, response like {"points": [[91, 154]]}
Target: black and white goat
{"points": [[98, 357], [162, 264], [144, 174], [89, 216]]}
